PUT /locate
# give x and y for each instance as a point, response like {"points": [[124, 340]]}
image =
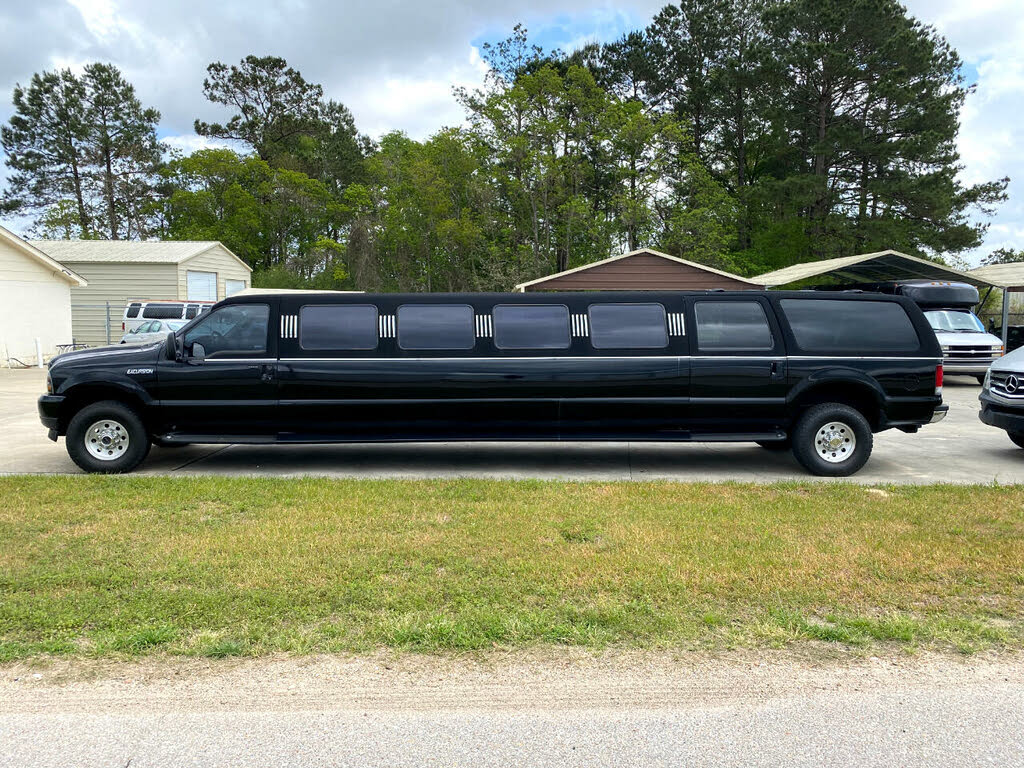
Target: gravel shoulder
{"points": [[539, 681]]}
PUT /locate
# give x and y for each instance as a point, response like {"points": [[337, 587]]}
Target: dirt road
{"points": [[562, 709]]}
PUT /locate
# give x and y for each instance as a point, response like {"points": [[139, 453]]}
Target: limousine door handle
{"points": [[266, 373], [778, 370]]}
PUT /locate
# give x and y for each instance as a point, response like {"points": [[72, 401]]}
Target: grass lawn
{"points": [[98, 566]]}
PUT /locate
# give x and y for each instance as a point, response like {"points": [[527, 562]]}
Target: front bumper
{"points": [[999, 413], [49, 412]]}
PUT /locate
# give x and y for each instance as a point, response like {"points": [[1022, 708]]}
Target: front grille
{"points": [[1003, 385], [986, 353]]}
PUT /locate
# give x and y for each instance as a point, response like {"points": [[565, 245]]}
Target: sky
{"points": [[394, 62]]}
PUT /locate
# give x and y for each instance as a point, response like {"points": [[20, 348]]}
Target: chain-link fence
{"points": [[95, 325]]}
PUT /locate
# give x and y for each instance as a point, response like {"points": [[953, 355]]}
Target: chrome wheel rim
{"points": [[835, 442], [106, 440]]}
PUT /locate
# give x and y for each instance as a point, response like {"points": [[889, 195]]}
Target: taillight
{"points": [[122, 326], [938, 379]]}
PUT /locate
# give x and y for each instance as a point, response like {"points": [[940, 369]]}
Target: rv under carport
{"points": [[1009, 278], [884, 267]]}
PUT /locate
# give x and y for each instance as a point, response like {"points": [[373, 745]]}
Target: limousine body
{"points": [[816, 372]]}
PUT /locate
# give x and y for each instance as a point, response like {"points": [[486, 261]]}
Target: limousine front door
{"points": [[231, 389]]}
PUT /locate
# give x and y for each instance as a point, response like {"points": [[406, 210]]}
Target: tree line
{"points": [[743, 134]]}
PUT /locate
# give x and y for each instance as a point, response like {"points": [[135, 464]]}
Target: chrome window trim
{"points": [[935, 360]]}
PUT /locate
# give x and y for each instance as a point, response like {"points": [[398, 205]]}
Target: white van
{"points": [[139, 312]]}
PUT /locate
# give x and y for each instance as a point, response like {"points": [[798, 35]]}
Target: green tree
{"points": [[122, 149], [272, 218], [1004, 256], [45, 142], [273, 103], [85, 142]]}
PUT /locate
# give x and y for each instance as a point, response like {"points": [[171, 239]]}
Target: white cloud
{"points": [[987, 34]]}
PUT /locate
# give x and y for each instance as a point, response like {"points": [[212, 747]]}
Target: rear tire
{"points": [[1017, 438], [107, 437], [981, 379], [776, 445], [832, 440]]}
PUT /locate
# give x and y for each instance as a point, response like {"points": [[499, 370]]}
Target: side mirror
{"points": [[171, 348], [198, 354]]}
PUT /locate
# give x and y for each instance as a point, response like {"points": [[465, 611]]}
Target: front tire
{"points": [[1016, 437], [832, 440], [107, 437]]}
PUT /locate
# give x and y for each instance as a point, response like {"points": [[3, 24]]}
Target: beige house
{"points": [[35, 301], [118, 271]]}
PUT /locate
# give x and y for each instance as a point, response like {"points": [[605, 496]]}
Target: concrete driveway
{"points": [[959, 449]]}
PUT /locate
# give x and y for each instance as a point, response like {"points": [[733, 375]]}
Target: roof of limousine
{"points": [[256, 294]]}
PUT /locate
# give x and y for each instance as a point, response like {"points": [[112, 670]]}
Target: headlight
{"points": [[988, 381], [997, 351], [945, 348]]}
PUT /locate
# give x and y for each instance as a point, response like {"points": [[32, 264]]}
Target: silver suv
{"points": [[1002, 396]]}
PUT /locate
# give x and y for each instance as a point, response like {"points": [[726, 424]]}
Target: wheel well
{"points": [[853, 395], [86, 394]]}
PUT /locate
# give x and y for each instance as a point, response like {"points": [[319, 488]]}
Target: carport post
{"points": [[1006, 316], [108, 323]]}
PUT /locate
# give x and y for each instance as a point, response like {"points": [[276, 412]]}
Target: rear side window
{"points": [[332, 326], [163, 311], [133, 311], [436, 326], [731, 326], [830, 326], [628, 326], [531, 326]]}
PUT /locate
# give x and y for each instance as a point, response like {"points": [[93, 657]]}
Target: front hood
{"points": [[947, 339], [1014, 361], [142, 353]]}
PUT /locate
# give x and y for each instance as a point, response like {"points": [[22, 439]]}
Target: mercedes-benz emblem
{"points": [[1011, 384]]}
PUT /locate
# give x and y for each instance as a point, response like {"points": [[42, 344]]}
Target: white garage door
{"points": [[202, 286], [231, 287]]}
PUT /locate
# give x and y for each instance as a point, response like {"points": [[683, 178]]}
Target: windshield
{"points": [[239, 329], [954, 321]]}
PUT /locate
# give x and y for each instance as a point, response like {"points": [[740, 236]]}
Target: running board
{"points": [[293, 439]]}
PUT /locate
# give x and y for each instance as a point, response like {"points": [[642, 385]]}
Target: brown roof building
{"points": [[642, 270]]}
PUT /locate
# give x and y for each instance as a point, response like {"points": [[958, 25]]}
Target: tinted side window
{"points": [[628, 326], [239, 329], [133, 311], [333, 326], [727, 326], [531, 326], [436, 326], [831, 326], [163, 311]]}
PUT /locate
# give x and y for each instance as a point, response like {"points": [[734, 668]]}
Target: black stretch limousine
{"points": [[817, 372]]}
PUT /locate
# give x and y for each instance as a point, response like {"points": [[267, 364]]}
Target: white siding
{"points": [[217, 259], [117, 284], [34, 303]]}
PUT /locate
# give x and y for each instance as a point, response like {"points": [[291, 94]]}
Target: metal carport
{"points": [[886, 266]]}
